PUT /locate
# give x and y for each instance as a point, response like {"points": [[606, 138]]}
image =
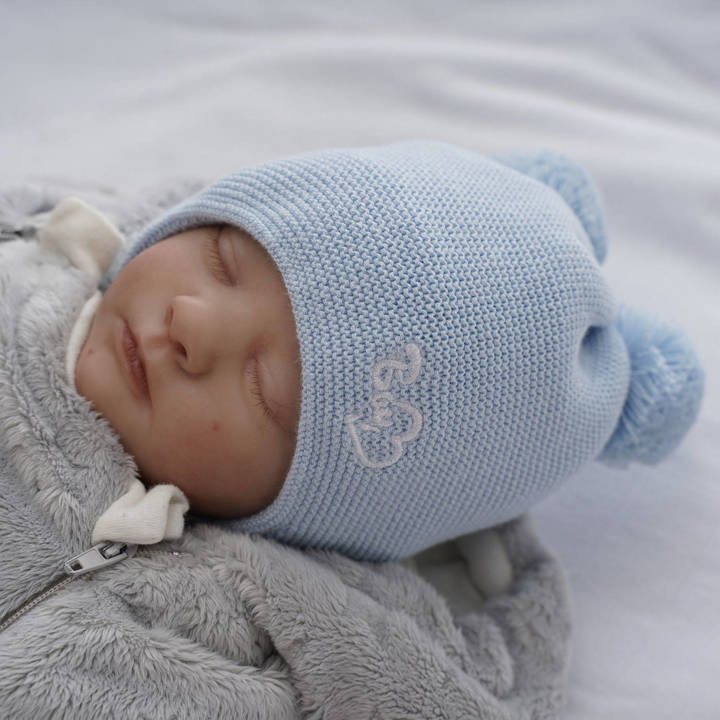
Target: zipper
{"points": [[97, 557]]}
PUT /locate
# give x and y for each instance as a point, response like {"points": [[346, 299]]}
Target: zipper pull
{"points": [[99, 556]]}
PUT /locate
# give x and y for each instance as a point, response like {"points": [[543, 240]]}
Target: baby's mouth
{"points": [[135, 363]]}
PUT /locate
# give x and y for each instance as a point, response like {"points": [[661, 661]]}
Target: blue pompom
{"points": [[571, 182], [666, 388]]}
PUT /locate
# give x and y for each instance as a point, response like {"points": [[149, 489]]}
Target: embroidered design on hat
{"points": [[383, 406]]}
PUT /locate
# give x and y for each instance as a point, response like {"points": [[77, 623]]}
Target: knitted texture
{"points": [[569, 180], [219, 624], [459, 358]]}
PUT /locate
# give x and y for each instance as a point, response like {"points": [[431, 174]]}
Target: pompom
{"points": [[665, 392], [571, 182]]}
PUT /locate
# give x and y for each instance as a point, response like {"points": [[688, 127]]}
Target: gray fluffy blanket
{"points": [[219, 624]]}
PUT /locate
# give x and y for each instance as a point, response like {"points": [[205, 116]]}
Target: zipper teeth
{"points": [[60, 583], [30, 604]]}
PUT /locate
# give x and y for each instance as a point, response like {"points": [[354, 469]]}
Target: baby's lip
{"points": [[135, 362]]}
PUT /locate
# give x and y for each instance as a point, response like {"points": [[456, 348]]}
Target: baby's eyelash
{"points": [[215, 262], [257, 394]]}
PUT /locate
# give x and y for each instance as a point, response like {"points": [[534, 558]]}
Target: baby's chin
{"points": [[212, 495]]}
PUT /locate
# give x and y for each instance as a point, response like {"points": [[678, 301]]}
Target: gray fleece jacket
{"points": [[218, 624]]}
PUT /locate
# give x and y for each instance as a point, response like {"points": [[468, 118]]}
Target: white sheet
{"points": [[136, 92]]}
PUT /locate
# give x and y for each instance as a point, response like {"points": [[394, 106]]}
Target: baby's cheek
{"points": [[210, 433], [185, 446], [201, 439]]}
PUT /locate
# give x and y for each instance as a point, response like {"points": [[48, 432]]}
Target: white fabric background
{"points": [[136, 92]]}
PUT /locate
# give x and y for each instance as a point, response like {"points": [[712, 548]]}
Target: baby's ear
{"points": [[571, 182]]}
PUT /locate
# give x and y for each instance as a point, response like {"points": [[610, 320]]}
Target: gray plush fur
{"points": [[219, 624]]}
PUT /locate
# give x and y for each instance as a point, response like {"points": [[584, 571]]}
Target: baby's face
{"points": [[193, 358]]}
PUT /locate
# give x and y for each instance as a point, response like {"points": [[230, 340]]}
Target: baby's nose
{"points": [[195, 332]]}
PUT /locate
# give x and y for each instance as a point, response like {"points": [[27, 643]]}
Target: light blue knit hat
{"points": [[461, 352]]}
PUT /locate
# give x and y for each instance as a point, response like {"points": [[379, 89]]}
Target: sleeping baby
{"points": [[193, 358], [375, 350]]}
